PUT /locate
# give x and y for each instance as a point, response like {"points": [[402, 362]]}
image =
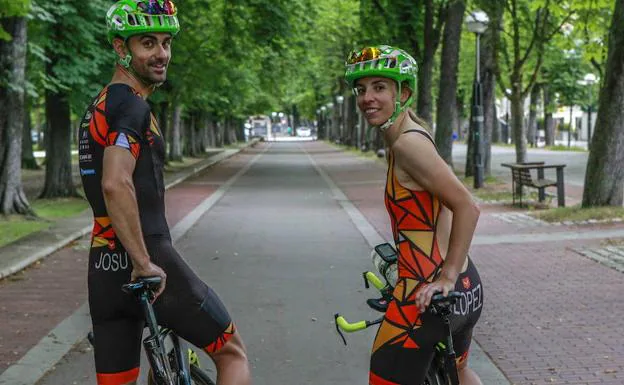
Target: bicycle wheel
{"points": [[200, 377]]}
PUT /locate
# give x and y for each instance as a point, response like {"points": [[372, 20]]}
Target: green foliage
{"points": [[68, 50], [11, 8]]}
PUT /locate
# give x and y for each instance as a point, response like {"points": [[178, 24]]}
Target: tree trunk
{"points": [[489, 52], [351, 119], [517, 122], [28, 157], [226, 131], [163, 124], [604, 177], [424, 103], [446, 106], [58, 176], [212, 131], [176, 145], [425, 72], [532, 126], [549, 123], [221, 132], [13, 63], [190, 131], [232, 131]]}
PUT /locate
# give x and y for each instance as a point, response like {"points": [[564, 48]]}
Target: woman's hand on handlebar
{"points": [[440, 285], [150, 270]]}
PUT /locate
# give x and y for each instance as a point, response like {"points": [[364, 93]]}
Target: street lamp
{"points": [[477, 22], [589, 80], [323, 134], [340, 100], [330, 121]]}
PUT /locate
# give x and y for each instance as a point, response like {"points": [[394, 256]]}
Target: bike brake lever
{"points": [[338, 328]]}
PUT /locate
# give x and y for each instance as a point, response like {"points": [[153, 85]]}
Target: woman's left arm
{"points": [[417, 156]]}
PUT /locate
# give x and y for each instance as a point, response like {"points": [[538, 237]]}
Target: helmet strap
{"points": [[398, 108], [125, 62]]}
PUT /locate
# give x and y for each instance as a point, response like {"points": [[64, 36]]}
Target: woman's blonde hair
{"points": [[415, 118]]}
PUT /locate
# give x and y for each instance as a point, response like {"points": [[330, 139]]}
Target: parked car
{"points": [[304, 131]]}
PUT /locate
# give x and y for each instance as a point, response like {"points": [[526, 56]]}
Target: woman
{"points": [[433, 219]]}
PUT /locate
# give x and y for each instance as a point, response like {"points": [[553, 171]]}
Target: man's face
{"points": [[151, 53]]}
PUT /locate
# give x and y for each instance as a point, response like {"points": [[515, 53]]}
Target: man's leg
{"points": [[231, 362], [117, 351]]}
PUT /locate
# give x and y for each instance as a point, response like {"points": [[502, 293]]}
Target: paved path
{"points": [[289, 237]]}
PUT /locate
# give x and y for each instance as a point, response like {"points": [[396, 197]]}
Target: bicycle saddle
{"points": [[144, 283], [441, 304]]}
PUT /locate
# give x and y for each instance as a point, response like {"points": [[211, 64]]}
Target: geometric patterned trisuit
{"points": [[405, 342]]}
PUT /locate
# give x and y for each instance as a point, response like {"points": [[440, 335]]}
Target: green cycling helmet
{"points": [[387, 62], [133, 17]]}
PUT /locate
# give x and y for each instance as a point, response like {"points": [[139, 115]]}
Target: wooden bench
{"points": [[521, 176]]}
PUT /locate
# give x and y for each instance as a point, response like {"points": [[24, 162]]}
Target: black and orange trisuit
{"points": [[405, 342], [120, 117]]}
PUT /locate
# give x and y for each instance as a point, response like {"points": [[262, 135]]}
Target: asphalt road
{"points": [[284, 257]]}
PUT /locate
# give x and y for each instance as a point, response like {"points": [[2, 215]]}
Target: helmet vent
{"points": [[132, 19], [117, 21]]}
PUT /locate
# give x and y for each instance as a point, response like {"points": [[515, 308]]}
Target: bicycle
{"points": [[443, 370], [169, 364]]}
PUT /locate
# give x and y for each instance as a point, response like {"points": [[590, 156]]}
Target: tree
{"points": [[604, 178], [446, 105], [76, 54], [12, 89], [524, 47]]}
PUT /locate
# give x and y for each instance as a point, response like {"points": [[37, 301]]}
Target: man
{"points": [[121, 163]]}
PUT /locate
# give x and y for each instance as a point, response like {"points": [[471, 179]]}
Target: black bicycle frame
{"points": [[155, 349]]}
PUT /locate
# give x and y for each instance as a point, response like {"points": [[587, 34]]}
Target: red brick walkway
{"points": [[550, 316]]}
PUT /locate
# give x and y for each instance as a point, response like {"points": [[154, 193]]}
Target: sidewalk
{"points": [[551, 314]]}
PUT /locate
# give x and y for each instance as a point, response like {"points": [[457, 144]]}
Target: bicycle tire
{"points": [[200, 377]]}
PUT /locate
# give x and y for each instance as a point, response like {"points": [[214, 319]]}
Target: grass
{"points": [[578, 214], [173, 166], [561, 147], [13, 227]]}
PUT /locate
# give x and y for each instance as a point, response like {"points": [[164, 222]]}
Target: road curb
{"points": [[40, 254]]}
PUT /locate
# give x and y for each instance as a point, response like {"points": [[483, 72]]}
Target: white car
{"points": [[304, 131]]}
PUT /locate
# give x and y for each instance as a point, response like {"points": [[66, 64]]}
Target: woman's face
{"points": [[375, 98]]}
